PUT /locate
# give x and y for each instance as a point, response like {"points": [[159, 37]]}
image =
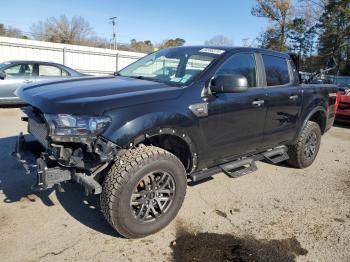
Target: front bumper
{"points": [[35, 161], [30, 154]]}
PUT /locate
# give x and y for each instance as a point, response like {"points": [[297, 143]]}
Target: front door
{"points": [[238, 128], [17, 75]]}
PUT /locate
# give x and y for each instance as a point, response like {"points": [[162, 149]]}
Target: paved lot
{"points": [[275, 214]]}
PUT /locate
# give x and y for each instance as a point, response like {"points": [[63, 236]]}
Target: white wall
{"points": [[82, 58]]}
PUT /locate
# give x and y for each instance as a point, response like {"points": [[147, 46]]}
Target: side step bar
{"points": [[239, 167], [203, 174], [243, 166], [276, 155]]}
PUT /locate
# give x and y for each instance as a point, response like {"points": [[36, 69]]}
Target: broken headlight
{"points": [[76, 128]]}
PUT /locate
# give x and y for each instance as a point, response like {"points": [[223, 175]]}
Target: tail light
{"points": [[337, 97]]}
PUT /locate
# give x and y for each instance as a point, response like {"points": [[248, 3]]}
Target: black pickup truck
{"points": [[173, 116]]}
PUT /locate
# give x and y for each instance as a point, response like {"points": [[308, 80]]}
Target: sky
{"points": [[155, 20]]}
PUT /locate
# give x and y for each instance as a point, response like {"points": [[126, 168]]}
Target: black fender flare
{"points": [[179, 133], [308, 117]]}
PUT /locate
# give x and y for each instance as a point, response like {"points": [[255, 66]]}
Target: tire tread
{"points": [[295, 150], [118, 176]]}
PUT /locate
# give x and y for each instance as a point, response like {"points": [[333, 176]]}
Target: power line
{"points": [[15, 32]]}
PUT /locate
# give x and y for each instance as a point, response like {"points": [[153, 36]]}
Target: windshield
{"points": [[172, 66], [2, 65]]}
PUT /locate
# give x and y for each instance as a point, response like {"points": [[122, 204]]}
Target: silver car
{"points": [[14, 74]]}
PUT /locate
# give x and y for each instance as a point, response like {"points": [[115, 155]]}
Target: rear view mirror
{"points": [[230, 83], [2, 75]]}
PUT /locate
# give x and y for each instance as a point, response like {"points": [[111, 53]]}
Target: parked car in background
{"points": [[14, 74], [343, 111]]}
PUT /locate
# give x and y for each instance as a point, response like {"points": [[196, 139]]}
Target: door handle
{"points": [[28, 81], [293, 97], [258, 102]]}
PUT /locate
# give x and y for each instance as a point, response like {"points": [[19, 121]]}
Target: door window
{"points": [[277, 71], [19, 70], [49, 70], [241, 64]]}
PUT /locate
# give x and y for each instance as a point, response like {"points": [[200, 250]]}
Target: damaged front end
{"points": [[65, 148]]}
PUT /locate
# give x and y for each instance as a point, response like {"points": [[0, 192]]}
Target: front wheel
{"points": [[303, 153], [143, 191]]}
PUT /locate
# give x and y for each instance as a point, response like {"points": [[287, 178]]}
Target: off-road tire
{"points": [[121, 180], [297, 157]]}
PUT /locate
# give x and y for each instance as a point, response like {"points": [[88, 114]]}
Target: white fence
{"points": [[90, 60]]}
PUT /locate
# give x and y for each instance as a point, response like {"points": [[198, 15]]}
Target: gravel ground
{"points": [[275, 214]]}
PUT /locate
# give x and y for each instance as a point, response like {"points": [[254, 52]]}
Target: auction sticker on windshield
{"points": [[212, 51]]}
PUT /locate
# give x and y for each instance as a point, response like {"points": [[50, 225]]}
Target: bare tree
{"points": [[247, 42], [310, 10], [11, 32], [219, 40], [62, 30], [279, 13]]}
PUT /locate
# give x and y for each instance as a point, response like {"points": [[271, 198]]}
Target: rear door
{"points": [[239, 129], [50, 72], [284, 100]]}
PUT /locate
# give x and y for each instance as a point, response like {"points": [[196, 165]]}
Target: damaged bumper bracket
{"points": [[48, 177], [30, 154], [26, 159]]}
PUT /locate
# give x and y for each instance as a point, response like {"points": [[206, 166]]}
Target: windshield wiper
{"points": [[144, 78], [148, 78]]}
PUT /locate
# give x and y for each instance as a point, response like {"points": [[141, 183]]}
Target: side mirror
{"points": [[230, 83], [2, 75]]}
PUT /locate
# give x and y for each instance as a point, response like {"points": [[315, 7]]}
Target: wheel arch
{"points": [[168, 130], [317, 115], [175, 141]]}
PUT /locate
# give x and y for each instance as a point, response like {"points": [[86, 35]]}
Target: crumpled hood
{"points": [[94, 95]]}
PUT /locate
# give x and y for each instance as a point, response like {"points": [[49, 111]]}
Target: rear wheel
{"points": [[143, 191], [303, 153]]}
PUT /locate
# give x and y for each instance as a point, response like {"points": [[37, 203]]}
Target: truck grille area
{"points": [[39, 131], [37, 126]]}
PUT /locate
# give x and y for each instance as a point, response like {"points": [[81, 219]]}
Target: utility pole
{"points": [[245, 42], [113, 20]]}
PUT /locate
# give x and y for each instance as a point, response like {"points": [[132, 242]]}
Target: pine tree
{"points": [[335, 33]]}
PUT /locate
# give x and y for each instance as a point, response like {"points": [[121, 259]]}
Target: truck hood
{"points": [[94, 95]]}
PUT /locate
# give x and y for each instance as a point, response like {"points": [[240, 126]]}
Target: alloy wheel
{"points": [[152, 196]]}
